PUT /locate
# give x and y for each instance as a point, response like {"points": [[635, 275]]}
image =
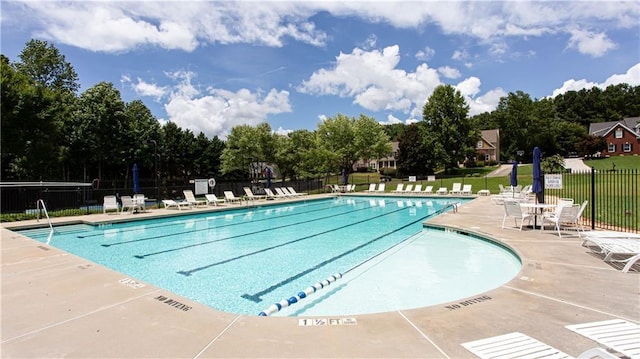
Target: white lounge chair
{"points": [[512, 209], [294, 192], [442, 191], [212, 199], [250, 196], [381, 188], [169, 203], [428, 190], [229, 197], [408, 189], [417, 189], [617, 247], [372, 188], [617, 334], [110, 203], [517, 345], [271, 195], [466, 190], [189, 197], [456, 188], [282, 193], [399, 188]]}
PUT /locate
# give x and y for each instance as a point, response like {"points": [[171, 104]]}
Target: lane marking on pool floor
{"points": [[423, 334]]}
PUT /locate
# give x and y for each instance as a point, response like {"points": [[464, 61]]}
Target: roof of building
{"points": [[602, 128], [490, 136]]}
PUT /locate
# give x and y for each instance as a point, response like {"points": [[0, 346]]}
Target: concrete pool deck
{"points": [[55, 304]]}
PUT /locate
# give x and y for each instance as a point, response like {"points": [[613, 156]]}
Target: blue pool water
{"points": [[245, 260]]}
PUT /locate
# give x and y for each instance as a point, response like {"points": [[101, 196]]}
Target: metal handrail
{"points": [[38, 202]]}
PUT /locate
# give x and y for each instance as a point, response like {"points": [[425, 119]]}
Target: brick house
{"points": [[488, 146], [623, 137]]}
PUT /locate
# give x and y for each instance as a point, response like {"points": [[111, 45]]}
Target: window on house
{"points": [[619, 133], [612, 147], [487, 158], [626, 147], [479, 144]]}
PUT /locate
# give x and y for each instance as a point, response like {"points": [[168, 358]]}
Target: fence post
{"points": [[593, 198]]}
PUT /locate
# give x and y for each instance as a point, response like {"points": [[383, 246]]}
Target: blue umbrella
{"points": [[136, 179], [268, 177], [514, 174], [536, 187], [344, 176]]}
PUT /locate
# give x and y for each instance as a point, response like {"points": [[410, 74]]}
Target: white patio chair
{"points": [[399, 188], [512, 209], [565, 214], [250, 196], [428, 190], [381, 188], [417, 189], [372, 188], [110, 203], [456, 188], [129, 205], [466, 190]]}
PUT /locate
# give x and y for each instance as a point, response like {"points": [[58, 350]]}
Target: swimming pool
{"points": [[244, 260]]}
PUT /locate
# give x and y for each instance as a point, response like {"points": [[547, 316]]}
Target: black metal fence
{"points": [[613, 195]]}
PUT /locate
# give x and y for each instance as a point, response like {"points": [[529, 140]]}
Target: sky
{"points": [[208, 66]]}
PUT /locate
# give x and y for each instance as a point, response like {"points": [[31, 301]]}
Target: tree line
{"points": [[50, 132]]}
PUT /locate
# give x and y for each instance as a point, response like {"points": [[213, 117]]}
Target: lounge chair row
{"points": [[457, 189], [617, 335]]}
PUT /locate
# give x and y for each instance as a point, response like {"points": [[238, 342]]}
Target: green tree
{"points": [[247, 148], [418, 154], [30, 132], [445, 115], [44, 63], [343, 140], [100, 137]]}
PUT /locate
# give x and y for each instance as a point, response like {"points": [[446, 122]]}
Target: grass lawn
{"points": [[621, 162]]}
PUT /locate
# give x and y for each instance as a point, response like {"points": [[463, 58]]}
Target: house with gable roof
{"points": [[623, 137], [488, 146]]}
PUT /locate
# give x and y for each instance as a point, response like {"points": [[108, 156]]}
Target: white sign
{"points": [[202, 186], [412, 178], [553, 181]]}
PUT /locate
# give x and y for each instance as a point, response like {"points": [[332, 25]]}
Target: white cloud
{"points": [[143, 88], [460, 55], [485, 103], [590, 43], [126, 25], [426, 54], [631, 77], [449, 72], [371, 77], [217, 111]]}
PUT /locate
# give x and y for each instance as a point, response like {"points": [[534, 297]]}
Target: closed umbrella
{"points": [[514, 176], [536, 186], [268, 177], [136, 179], [344, 176]]}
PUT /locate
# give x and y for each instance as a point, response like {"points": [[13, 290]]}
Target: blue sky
{"points": [[212, 65]]}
